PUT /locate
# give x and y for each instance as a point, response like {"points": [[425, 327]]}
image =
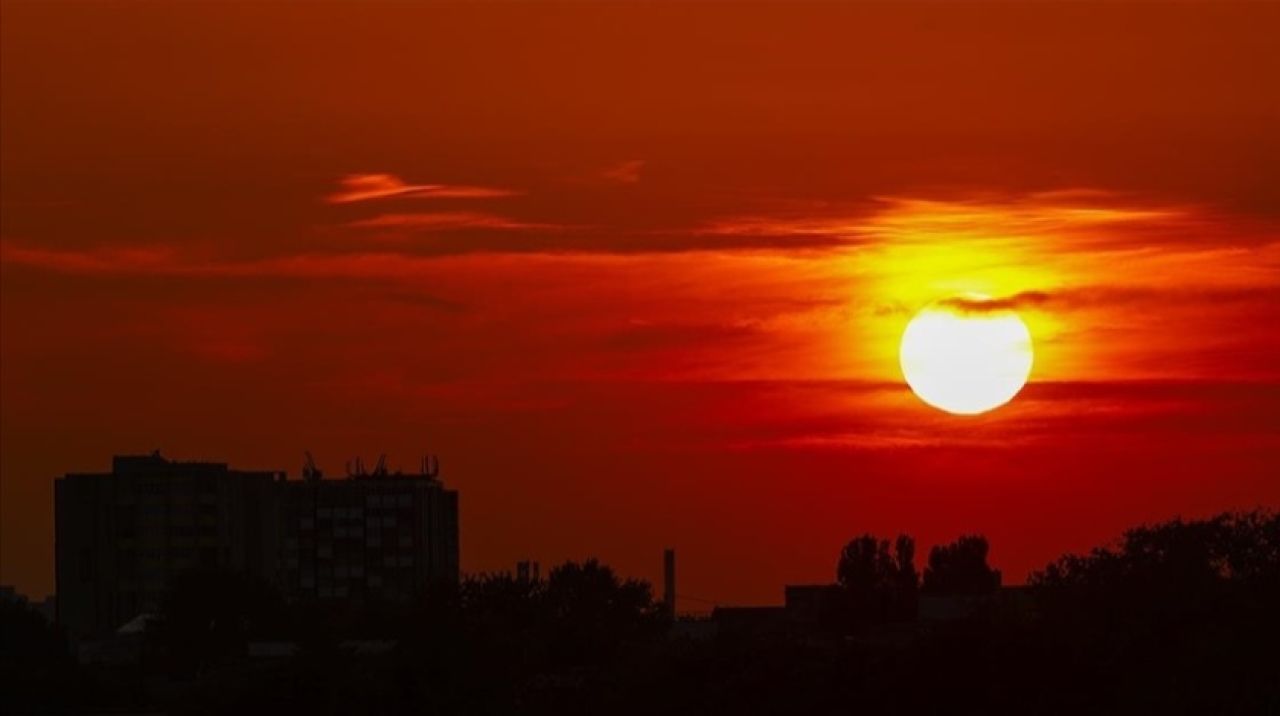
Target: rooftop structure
{"points": [[376, 535]]}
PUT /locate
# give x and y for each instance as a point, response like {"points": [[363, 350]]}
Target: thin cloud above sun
{"points": [[447, 221], [372, 187]]}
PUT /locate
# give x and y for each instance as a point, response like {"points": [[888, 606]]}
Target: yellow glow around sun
{"points": [[962, 358]]}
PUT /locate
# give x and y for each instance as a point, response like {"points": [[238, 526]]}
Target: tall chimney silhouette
{"points": [[669, 580]]}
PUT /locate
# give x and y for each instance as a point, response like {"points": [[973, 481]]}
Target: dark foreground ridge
{"points": [[1179, 617]]}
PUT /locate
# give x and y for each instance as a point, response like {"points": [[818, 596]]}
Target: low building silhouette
{"points": [[121, 537], [817, 606]]}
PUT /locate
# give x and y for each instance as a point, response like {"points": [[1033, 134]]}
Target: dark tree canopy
{"points": [[581, 612], [1231, 547], [592, 611], [881, 583], [961, 568], [37, 671], [1195, 598], [864, 564]]}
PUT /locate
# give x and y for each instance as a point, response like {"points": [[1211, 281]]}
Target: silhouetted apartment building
{"points": [[121, 537], [375, 535]]}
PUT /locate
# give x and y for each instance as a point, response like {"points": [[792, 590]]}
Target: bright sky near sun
{"points": [[640, 272]]}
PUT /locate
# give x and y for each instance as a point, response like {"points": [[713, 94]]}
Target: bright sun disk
{"points": [[963, 358]]}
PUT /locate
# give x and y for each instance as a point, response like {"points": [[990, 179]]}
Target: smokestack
{"points": [[669, 580]]}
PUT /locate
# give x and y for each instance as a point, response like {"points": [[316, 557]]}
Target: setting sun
{"points": [[750, 281], [966, 355]]}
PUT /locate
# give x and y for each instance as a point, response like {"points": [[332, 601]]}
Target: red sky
{"points": [[637, 271]]}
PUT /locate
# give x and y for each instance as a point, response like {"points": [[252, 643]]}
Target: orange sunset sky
{"points": [[637, 272]]}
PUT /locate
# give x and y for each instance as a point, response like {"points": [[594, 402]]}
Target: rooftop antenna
{"points": [[431, 466], [310, 472], [355, 468], [381, 469]]}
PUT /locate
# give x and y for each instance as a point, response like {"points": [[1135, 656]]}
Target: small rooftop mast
{"points": [[310, 472]]}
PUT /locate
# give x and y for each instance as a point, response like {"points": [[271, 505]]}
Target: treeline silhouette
{"points": [[881, 584], [1179, 617]]}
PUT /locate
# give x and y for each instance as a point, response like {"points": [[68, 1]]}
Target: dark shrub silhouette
{"points": [[961, 568]]}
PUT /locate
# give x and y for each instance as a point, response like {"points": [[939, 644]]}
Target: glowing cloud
{"points": [[369, 187]]}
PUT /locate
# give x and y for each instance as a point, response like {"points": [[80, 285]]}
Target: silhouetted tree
{"points": [[506, 616], [1241, 548], [1195, 598], [37, 671], [864, 564], [906, 578], [592, 611], [961, 568], [501, 600], [881, 584]]}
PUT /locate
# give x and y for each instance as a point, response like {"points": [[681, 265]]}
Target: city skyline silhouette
{"points": [[742, 355]]}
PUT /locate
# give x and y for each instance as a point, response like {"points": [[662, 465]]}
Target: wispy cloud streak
{"points": [[371, 187], [447, 221], [972, 305]]}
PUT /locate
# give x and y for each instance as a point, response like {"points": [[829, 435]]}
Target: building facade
{"points": [[370, 537], [122, 537]]}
